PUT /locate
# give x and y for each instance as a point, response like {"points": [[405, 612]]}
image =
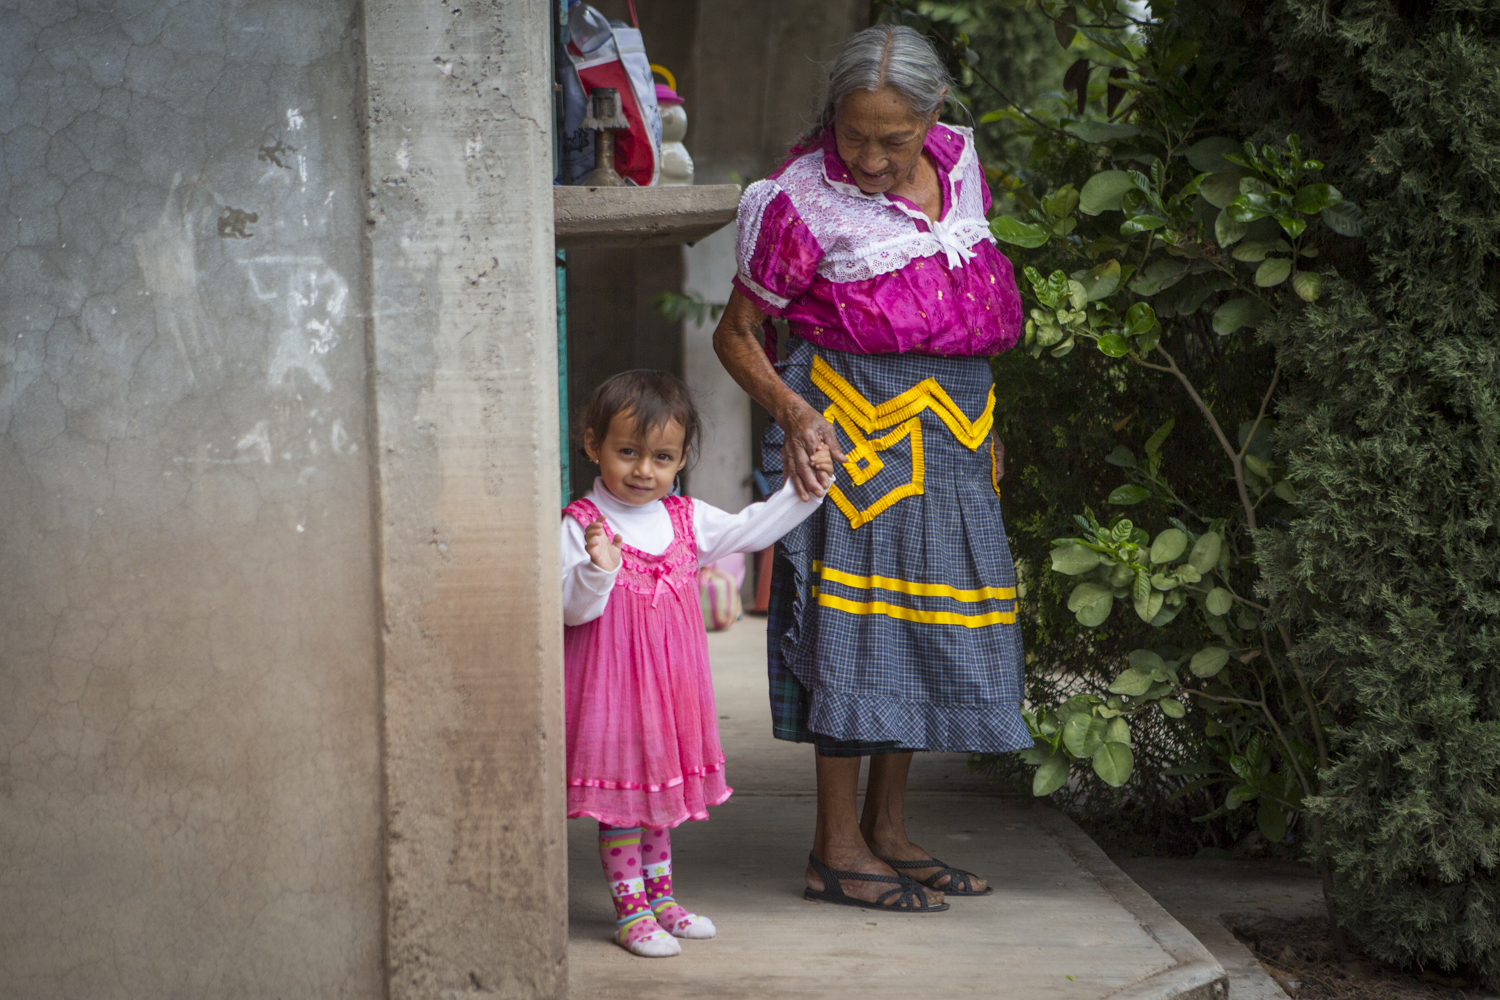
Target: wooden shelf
{"points": [[640, 217]]}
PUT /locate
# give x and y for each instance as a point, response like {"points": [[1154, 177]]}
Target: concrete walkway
{"points": [[1063, 922]]}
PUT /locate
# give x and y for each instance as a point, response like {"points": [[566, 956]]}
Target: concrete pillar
{"points": [[464, 348], [189, 751], [722, 475]]}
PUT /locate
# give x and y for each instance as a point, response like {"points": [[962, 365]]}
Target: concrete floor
{"points": [[1064, 922]]}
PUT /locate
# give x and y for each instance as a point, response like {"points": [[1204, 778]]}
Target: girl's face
{"points": [[880, 138], [637, 466]]}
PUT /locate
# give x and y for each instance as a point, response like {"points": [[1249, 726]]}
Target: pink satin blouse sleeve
{"points": [[777, 252]]}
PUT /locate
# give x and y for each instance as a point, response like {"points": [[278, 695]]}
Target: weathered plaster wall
{"points": [[464, 328], [189, 771], [722, 475], [613, 326], [759, 78]]}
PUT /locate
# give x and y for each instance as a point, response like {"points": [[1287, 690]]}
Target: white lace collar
{"points": [[866, 235]]}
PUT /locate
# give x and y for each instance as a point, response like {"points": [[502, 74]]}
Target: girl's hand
{"points": [[822, 463], [997, 452], [603, 550]]}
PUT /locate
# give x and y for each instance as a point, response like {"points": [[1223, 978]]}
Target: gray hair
{"points": [[886, 55]]}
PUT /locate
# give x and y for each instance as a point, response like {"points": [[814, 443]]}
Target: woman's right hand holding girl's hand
{"points": [[808, 433], [603, 550]]}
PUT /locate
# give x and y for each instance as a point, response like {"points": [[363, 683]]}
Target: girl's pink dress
{"points": [[643, 737]]}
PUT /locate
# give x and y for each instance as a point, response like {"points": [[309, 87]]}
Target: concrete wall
{"points": [[278, 464], [465, 347], [189, 770], [613, 326], [280, 686], [759, 79]]}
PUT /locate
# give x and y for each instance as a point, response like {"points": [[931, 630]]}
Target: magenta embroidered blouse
{"points": [[871, 273]]}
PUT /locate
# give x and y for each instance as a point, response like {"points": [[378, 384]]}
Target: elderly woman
{"points": [[893, 611]]}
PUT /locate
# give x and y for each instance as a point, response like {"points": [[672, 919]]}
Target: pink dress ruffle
{"points": [[643, 736]]}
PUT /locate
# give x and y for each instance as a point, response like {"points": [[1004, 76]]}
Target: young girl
{"points": [[643, 738]]}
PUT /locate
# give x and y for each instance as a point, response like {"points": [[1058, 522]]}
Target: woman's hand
{"points": [[808, 453], [737, 342], [997, 451], [603, 550]]}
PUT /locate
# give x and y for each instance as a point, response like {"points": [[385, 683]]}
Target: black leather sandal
{"points": [[954, 875], [907, 897]]}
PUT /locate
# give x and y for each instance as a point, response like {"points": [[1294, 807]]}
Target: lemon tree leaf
{"points": [[1009, 229], [1091, 603], [1074, 559], [1083, 735], [1133, 682], [1272, 271], [1168, 545], [1113, 763], [1208, 661], [1207, 155], [1126, 495], [1145, 659], [1308, 285], [1205, 554], [1235, 313], [1103, 191], [1051, 775]]}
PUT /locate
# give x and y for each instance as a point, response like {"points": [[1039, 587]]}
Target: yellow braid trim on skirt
{"points": [[860, 418]]}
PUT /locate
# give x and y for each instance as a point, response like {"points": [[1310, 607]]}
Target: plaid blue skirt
{"points": [[892, 623]]}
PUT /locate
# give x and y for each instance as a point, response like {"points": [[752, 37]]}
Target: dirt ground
{"points": [[1300, 957]]}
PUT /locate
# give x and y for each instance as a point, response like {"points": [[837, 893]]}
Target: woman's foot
{"points": [[866, 864], [645, 937], [962, 882]]}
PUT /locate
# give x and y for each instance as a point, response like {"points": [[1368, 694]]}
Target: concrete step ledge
{"points": [[1197, 975], [637, 217]]}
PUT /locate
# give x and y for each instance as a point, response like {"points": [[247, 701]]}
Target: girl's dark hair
{"points": [[653, 399]]}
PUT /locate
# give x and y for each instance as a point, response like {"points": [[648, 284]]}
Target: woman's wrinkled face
{"points": [[880, 138]]}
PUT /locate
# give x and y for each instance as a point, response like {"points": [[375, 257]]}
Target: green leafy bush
{"points": [[1170, 233], [1389, 428]]}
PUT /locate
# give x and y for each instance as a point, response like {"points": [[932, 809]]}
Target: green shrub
{"points": [[1059, 421], [1166, 240], [1390, 427]]}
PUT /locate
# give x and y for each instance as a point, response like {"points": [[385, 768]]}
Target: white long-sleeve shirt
{"points": [[586, 587]]}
